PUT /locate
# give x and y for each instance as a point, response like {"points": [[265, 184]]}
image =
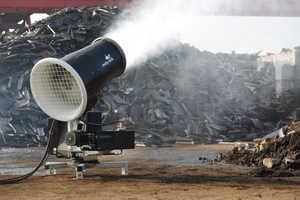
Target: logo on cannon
{"points": [[108, 59]]}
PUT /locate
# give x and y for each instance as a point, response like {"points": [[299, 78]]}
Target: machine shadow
{"points": [[166, 178]]}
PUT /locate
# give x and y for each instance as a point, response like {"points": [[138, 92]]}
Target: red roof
{"points": [[46, 6], [16, 10], [226, 7]]}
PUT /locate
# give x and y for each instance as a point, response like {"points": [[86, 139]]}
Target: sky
{"points": [[242, 34]]}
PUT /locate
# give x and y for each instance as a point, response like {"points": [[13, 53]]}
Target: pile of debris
{"points": [[275, 156], [181, 96], [188, 96]]}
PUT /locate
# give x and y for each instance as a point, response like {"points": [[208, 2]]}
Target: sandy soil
{"points": [[154, 173]]}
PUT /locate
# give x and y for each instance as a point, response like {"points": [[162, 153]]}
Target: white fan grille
{"points": [[57, 91]]}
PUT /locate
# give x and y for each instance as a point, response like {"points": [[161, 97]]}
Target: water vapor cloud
{"points": [[149, 27]]}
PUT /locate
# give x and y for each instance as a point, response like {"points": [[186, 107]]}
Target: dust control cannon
{"points": [[63, 87], [66, 88]]}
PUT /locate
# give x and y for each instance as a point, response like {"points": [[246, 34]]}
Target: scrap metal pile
{"points": [[181, 96], [200, 96]]}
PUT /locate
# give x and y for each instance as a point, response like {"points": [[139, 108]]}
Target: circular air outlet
{"points": [[58, 89]]}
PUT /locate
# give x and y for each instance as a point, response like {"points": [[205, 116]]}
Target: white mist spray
{"points": [[151, 26], [148, 27]]}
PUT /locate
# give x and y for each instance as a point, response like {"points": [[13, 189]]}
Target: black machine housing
{"points": [[87, 137], [101, 140]]}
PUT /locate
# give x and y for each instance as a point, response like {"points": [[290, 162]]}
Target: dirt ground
{"points": [[179, 172]]}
